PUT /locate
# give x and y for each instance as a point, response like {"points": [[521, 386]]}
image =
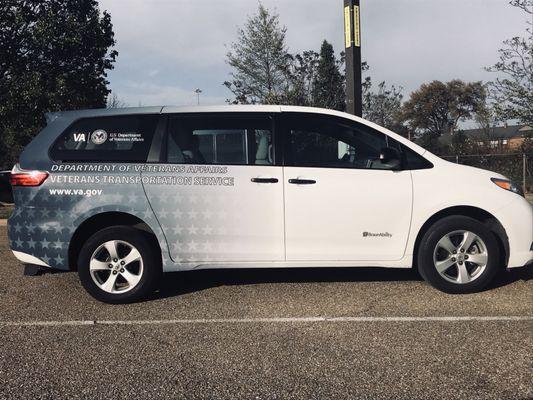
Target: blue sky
{"points": [[168, 48]]}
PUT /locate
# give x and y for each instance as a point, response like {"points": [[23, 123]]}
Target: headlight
{"points": [[508, 185]]}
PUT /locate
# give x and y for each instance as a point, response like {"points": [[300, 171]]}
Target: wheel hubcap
{"points": [[116, 266], [460, 257]]}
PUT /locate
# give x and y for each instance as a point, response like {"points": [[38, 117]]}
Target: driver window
{"points": [[333, 143]]}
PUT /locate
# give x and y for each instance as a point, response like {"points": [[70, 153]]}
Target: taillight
{"points": [[20, 177]]}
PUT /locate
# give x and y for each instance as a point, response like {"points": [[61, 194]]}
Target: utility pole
{"points": [[198, 91], [352, 35]]}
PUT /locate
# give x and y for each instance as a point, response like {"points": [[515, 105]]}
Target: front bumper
{"points": [[517, 220]]}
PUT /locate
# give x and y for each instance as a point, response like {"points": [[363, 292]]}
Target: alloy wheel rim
{"points": [[116, 266], [460, 257]]}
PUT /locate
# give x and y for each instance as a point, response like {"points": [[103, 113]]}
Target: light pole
{"points": [[352, 40], [198, 91]]}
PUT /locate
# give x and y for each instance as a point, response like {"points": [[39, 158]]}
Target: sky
{"points": [[168, 48]]}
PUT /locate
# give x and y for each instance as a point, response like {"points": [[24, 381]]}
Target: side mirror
{"points": [[390, 157]]}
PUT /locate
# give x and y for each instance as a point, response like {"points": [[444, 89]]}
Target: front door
{"points": [[218, 195], [341, 203]]}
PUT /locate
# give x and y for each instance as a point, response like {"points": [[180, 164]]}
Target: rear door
{"points": [[341, 203], [218, 194]]}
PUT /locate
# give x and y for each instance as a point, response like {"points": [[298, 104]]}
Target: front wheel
{"points": [[458, 255], [118, 265]]}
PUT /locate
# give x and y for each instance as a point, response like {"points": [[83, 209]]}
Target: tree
{"points": [[54, 55], [265, 72], [436, 108], [301, 79], [260, 60], [512, 94], [329, 84], [113, 101], [315, 79], [384, 106]]}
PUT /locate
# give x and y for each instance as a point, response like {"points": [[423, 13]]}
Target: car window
{"points": [[220, 140], [413, 160], [118, 138], [332, 143]]}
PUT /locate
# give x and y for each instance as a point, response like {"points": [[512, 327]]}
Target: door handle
{"points": [[302, 181], [265, 180]]}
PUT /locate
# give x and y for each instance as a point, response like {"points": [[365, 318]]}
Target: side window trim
{"points": [[156, 149]]}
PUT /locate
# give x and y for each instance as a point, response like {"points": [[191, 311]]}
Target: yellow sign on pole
{"points": [[356, 24], [347, 27]]}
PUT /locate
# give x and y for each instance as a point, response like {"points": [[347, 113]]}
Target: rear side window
{"points": [[230, 140], [113, 139]]}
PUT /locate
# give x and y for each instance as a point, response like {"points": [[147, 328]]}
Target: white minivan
{"points": [[124, 195]]}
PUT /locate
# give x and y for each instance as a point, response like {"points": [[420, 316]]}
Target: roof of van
{"points": [[190, 109]]}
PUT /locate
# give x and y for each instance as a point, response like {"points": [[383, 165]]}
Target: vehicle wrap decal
{"points": [[45, 218]]}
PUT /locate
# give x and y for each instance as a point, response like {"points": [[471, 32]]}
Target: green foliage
{"points": [[260, 60], [301, 78], [54, 55], [265, 72], [329, 83], [384, 106], [512, 94], [437, 107]]}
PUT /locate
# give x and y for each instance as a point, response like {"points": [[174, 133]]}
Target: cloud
{"points": [[150, 94], [179, 45]]}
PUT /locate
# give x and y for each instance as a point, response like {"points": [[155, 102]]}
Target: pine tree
{"points": [[260, 60], [328, 85]]}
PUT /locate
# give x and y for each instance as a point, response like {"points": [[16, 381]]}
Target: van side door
{"points": [[218, 192], [341, 203]]}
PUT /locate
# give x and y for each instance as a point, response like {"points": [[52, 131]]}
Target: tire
{"points": [[461, 272], [132, 275]]}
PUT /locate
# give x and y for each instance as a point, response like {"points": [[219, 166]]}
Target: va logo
{"points": [[99, 136], [79, 137]]}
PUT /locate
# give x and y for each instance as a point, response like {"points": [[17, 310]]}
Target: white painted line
{"points": [[282, 320], [45, 323]]}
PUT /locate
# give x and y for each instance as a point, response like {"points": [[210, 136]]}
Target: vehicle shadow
{"points": [[513, 275], [179, 283]]}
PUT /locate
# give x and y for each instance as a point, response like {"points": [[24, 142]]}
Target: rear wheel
{"points": [[118, 265], [458, 255]]}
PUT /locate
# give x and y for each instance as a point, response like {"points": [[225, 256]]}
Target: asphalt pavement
{"points": [[266, 334]]}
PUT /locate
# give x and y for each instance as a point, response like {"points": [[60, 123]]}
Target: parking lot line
{"points": [[281, 320]]}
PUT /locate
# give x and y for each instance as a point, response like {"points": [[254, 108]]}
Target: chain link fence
{"points": [[516, 166]]}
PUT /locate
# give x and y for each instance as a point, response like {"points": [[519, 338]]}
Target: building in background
{"points": [[501, 137]]}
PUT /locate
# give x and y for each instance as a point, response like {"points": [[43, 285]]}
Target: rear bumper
{"points": [[28, 259]]}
